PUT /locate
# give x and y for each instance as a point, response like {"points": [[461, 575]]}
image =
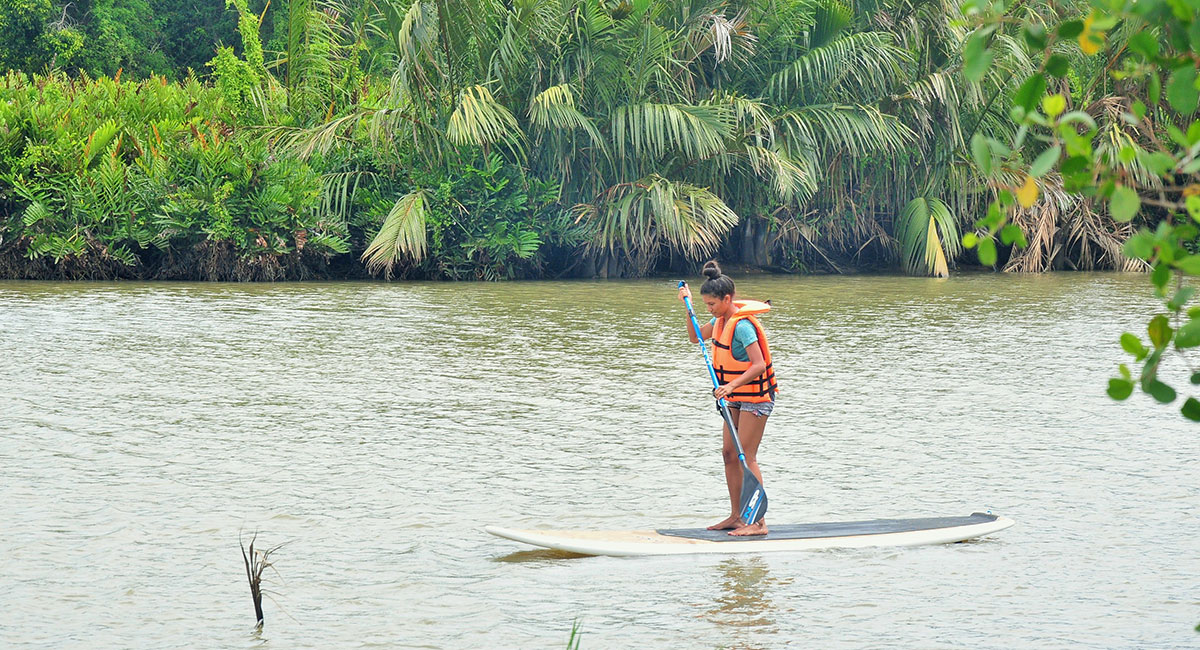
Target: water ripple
{"points": [[374, 429]]}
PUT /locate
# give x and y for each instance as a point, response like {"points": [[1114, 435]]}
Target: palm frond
{"points": [[319, 139], [413, 30], [928, 234], [554, 109], [640, 217], [338, 191], [862, 65], [650, 129], [402, 234], [830, 17], [858, 129], [790, 181], [481, 121]]}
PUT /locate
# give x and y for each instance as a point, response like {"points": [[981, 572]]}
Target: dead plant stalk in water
{"points": [[256, 563]]}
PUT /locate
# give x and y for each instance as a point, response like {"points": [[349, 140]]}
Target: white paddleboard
{"points": [[799, 537]]}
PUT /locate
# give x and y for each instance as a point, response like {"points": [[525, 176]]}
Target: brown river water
{"points": [[374, 429]]}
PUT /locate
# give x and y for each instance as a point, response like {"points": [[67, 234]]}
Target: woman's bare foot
{"points": [[753, 529], [729, 523]]}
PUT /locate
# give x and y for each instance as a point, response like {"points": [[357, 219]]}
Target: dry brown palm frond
{"points": [[1040, 225], [1065, 231]]}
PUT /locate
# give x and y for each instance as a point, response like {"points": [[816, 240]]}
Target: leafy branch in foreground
{"points": [[1143, 169]]}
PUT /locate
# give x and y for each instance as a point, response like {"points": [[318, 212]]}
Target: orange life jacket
{"points": [[763, 387]]}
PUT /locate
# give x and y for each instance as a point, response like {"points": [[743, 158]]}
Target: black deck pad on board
{"points": [[834, 528]]}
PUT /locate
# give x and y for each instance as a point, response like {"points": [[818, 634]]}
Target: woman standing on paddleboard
{"points": [[742, 361]]}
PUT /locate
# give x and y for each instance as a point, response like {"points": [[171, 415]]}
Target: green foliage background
{"points": [[315, 138]]}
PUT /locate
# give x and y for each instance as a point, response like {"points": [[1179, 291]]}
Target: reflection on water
{"points": [[539, 555], [743, 601]]}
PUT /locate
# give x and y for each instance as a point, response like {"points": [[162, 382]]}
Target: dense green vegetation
{"points": [[1145, 170], [530, 138]]}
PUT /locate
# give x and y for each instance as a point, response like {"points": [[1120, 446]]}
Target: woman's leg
{"points": [[733, 476], [750, 433]]}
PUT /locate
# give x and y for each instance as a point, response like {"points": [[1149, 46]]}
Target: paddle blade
{"points": [[754, 498]]}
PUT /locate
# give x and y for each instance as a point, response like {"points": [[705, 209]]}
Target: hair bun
{"points": [[711, 270]]}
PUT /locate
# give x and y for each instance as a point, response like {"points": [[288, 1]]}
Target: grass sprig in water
{"points": [[256, 563]]}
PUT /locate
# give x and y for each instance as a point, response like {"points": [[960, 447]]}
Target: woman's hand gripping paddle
{"points": [[753, 500]]}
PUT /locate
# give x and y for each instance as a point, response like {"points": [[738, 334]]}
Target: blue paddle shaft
{"points": [[712, 374]]}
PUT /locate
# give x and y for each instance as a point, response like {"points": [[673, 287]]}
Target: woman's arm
{"points": [[705, 329]]}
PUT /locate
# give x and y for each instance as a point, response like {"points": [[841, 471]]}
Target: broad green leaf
{"points": [[1045, 161], [1160, 276], [976, 55], [1145, 44], [1058, 66], [1180, 298], [1070, 29], [1159, 162], [1106, 189], [992, 219], [1035, 37], [1138, 109], [1030, 92], [969, 240], [1150, 366], [1053, 105], [1100, 21], [1177, 135], [1078, 116], [1011, 234], [1189, 264], [1124, 203], [1124, 370], [1181, 89], [1133, 345], [1193, 207], [1188, 335], [1160, 332], [1160, 391], [1075, 164], [1196, 378], [987, 251], [1120, 389], [1141, 245], [1191, 411], [982, 153]]}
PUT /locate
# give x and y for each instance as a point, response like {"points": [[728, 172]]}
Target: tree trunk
{"points": [[747, 252], [587, 269], [762, 252]]}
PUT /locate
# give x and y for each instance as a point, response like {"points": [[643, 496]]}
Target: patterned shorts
{"points": [[761, 409]]}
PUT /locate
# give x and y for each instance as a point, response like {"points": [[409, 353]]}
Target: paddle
{"points": [[753, 499]]}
